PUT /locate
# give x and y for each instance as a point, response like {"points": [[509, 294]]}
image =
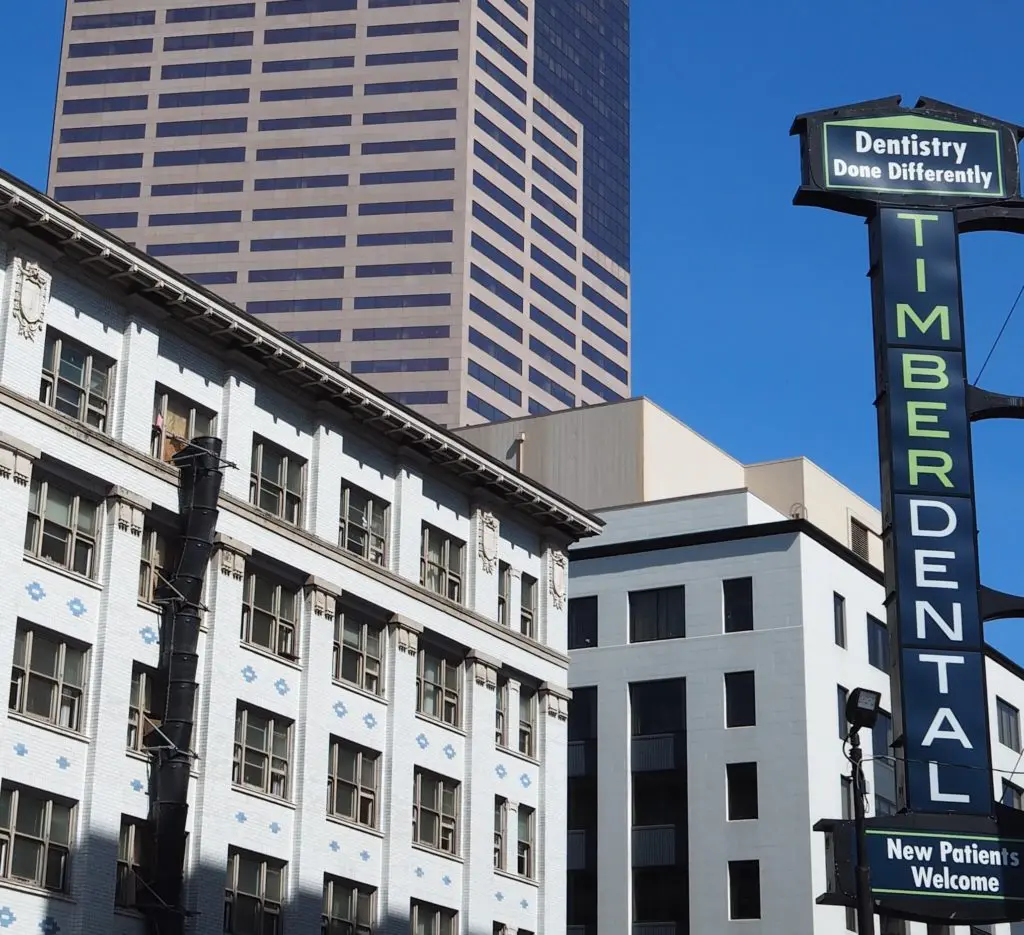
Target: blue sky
{"points": [[751, 318]]}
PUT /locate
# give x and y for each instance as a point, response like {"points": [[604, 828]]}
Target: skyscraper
{"points": [[433, 194]]}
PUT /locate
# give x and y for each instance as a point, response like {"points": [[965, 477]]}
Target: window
{"points": [[525, 847], [841, 696], [528, 606], [353, 781], [744, 889], [75, 380], [413, 57], [846, 796], [591, 295], [428, 919], [176, 421], [262, 751], [358, 651], [658, 614], [364, 524], [62, 526], [878, 644], [839, 618], [740, 704], [501, 712], [135, 848], [438, 686], [885, 765], [349, 908], [484, 408], [738, 602], [253, 894], [859, 539], [504, 589], [270, 615], [145, 705], [582, 622], [442, 563], [48, 678], [495, 317], [527, 721], [105, 105], [309, 34], [1012, 796], [276, 481], [435, 811], [1009, 725], [741, 786], [500, 831], [35, 838]]}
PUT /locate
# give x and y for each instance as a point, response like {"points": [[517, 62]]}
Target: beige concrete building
{"points": [[432, 195]]}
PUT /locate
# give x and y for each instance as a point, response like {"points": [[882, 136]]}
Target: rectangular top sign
{"points": [[911, 154]]}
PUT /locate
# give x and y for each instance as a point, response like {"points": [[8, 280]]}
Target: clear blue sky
{"points": [[751, 318]]}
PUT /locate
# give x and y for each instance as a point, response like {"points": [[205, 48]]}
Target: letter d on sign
{"points": [[916, 529], [863, 139]]}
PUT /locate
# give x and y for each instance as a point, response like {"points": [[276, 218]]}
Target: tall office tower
{"points": [[433, 194]]}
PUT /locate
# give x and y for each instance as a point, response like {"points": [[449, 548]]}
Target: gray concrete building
{"points": [[432, 195]]}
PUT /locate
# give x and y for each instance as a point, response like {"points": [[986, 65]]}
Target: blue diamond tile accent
{"points": [[446, 880], [77, 607], [241, 817], [49, 926], [63, 762], [274, 827], [369, 720], [449, 751], [525, 781], [523, 904], [422, 741], [281, 686], [500, 897], [36, 592], [419, 871], [137, 785], [20, 749], [334, 846], [340, 709], [7, 917], [364, 856], [500, 771], [249, 674], [149, 636]]}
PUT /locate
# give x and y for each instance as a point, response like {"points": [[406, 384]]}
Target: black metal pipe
{"points": [[865, 904]]}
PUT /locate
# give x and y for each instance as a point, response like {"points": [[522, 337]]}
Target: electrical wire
{"points": [[1006, 321]]}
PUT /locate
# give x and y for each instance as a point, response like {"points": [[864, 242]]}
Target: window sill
{"points": [[533, 761], [273, 799], [437, 722], [508, 875], [62, 571], [267, 654], [301, 525], [35, 891], [352, 687], [46, 725], [433, 850], [355, 826]]}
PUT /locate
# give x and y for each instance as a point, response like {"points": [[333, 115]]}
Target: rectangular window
{"points": [[36, 830], [135, 852], [176, 421], [48, 678], [363, 525], [309, 34], [658, 614], [145, 705], [740, 703], [103, 134], [492, 315], [609, 279], [74, 79], [209, 127], [595, 297], [194, 217], [412, 29], [276, 481], [552, 327], [400, 365], [305, 94], [1012, 796], [270, 615], [358, 651], [353, 783], [498, 256], [492, 284], [501, 712], [582, 622], [76, 380], [435, 812], [199, 14], [741, 786], [559, 361], [411, 87], [309, 64], [489, 68], [527, 721], [422, 300], [488, 37], [500, 831], [846, 796], [1009, 725], [318, 122], [841, 697], [62, 526], [386, 147], [217, 40], [859, 539], [839, 618], [556, 123], [528, 606], [262, 752], [442, 563], [596, 386], [205, 98], [500, 166], [105, 105], [878, 644], [482, 407], [525, 854], [439, 685], [206, 69], [744, 889], [113, 47], [425, 115], [428, 919], [504, 590], [502, 20], [885, 765], [558, 391], [430, 206], [738, 603], [411, 58], [328, 151], [505, 140], [378, 270], [253, 894], [512, 115], [349, 908]]}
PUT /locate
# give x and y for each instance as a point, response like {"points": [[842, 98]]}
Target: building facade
{"points": [[384, 615], [713, 640], [434, 195]]}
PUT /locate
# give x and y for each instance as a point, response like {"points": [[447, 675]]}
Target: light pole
{"points": [[861, 712]]}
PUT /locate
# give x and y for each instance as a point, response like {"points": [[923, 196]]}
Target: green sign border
{"points": [[911, 122]]}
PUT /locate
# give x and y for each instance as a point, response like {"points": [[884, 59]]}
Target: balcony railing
{"points": [[654, 846], [653, 752]]}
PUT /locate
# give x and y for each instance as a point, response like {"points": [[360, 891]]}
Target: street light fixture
{"points": [[861, 713]]}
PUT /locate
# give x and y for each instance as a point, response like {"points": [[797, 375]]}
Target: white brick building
{"points": [[383, 655]]}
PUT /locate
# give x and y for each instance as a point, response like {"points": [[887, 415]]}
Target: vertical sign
{"points": [[928, 502]]}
